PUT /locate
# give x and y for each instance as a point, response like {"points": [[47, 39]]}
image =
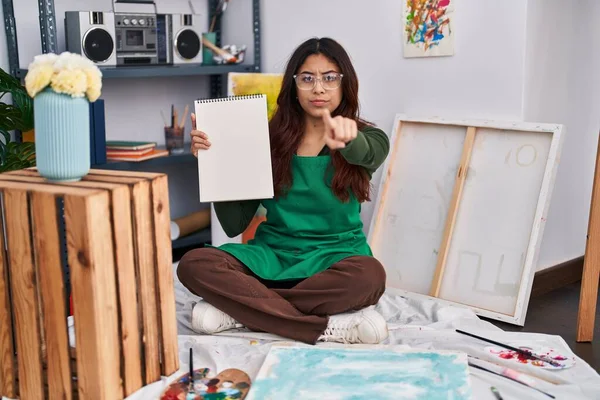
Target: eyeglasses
{"points": [[329, 81]]}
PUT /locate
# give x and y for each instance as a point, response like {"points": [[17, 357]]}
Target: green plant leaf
{"points": [[26, 151], [21, 102], [25, 104], [16, 116], [18, 156], [6, 135], [3, 144], [9, 84], [11, 117]]}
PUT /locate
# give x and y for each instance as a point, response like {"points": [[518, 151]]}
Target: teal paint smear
{"points": [[317, 373]]}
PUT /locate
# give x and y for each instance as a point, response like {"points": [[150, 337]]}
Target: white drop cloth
{"points": [[419, 324]]}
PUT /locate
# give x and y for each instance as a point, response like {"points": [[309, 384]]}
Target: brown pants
{"points": [[296, 310]]}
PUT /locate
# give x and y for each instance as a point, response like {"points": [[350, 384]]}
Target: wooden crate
{"points": [[117, 242]]}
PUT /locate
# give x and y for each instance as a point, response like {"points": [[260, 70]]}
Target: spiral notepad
{"points": [[237, 166]]}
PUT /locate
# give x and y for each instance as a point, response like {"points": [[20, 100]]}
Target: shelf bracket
{"points": [[11, 37], [256, 32], [48, 26], [216, 81]]}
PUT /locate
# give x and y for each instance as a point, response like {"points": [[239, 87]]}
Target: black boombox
{"points": [[122, 39]]}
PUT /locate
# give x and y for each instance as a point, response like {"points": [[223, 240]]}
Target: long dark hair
{"points": [[288, 124]]}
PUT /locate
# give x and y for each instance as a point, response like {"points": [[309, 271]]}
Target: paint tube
{"points": [[509, 373]]}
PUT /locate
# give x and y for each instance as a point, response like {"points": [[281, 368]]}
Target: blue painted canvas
{"points": [[355, 374]]}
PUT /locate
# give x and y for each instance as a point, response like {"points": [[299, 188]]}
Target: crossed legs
{"points": [[299, 312]]}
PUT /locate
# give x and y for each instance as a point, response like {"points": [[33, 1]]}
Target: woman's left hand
{"points": [[338, 130]]}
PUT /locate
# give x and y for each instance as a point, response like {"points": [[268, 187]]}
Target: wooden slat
{"points": [[101, 181], [126, 277], [128, 304], [164, 265], [8, 373], [145, 252], [459, 183], [127, 180], [34, 178], [24, 294], [44, 188], [48, 260], [130, 174], [21, 172], [117, 173], [385, 188], [586, 316], [91, 259]]}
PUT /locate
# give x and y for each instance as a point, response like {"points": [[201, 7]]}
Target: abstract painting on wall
{"points": [[246, 83], [428, 28], [314, 372]]}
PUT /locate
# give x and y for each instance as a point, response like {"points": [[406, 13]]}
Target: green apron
{"points": [[306, 231]]}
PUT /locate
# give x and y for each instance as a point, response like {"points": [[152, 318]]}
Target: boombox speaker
{"points": [[92, 34], [187, 38]]}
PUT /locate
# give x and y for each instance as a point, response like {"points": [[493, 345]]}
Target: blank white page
{"points": [[237, 166]]}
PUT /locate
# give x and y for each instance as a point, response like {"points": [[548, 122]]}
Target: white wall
{"points": [[562, 86], [483, 80], [514, 59]]}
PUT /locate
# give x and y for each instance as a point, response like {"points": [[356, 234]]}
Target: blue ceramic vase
{"points": [[62, 136]]}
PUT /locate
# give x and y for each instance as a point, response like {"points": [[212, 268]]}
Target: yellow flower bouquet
{"points": [[62, 87], [67, 73]]}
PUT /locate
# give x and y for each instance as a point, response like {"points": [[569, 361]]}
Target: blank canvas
{"points": [[237, 166], [461, 209], [417, 203], [496, 220]]}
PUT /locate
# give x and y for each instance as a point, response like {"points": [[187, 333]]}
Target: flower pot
{"points": [[62, 136]]}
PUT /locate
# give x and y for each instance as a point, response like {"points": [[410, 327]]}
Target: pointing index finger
{"points": [[326, 116]]}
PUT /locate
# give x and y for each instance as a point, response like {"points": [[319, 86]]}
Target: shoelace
{"points": [[227, 322], [342, 329]]}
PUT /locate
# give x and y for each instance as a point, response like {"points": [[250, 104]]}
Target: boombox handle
{"points": [[134, 6], [141, 6]]}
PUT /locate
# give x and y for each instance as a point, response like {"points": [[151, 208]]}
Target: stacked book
{"points": [[120, 150]]}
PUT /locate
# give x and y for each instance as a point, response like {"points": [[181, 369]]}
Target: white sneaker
{"points": [[366, 326], [209, 319]]}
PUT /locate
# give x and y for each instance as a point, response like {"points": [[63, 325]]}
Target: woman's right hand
{"points": [[199, 138]]}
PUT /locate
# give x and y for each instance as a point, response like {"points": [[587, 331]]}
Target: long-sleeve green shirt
{"points": [[369, 149]]}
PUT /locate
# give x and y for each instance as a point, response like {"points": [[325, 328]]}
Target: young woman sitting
{"points": [[308, 274]]}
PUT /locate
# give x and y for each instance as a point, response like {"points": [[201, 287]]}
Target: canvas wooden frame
{"points": [[543, 201]]}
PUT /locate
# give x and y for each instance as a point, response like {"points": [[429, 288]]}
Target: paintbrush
{"points": [[525, 353], [496, 393], [221, 7], [191, 394], [228, 57], [506, 373], [162, 114], [184, 116], [493, 362], [175, 119]]}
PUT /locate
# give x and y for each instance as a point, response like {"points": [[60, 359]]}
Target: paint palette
{"points": [[566, 361], [230, 384]]}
